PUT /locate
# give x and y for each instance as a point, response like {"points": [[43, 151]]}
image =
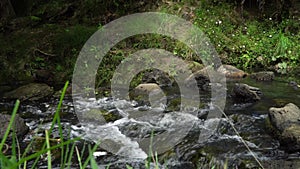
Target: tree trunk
{"points": [[6, 10]]}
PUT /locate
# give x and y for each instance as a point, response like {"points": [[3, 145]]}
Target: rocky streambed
{"points": [[259, 128]]}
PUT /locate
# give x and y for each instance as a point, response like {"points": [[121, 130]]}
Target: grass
{"points": [[66, 147]]}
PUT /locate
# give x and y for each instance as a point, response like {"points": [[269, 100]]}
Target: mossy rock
{"points": [[146, 93], [263, 76], [195, 66], [101, 116], [32, 92], [174, 105], [284, 123]]}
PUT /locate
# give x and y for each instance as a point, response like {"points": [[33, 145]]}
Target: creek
{"points": [[128, 131]]}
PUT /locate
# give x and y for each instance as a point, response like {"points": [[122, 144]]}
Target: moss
{"points": [[271, 129], [97, 115], [174, 104]]}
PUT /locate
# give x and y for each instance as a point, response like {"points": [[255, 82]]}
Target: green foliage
{"points": [[249, 44], [69, 41], [67, 44]]}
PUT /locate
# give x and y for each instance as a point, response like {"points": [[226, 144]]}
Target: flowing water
{"points": [[128, 131]]}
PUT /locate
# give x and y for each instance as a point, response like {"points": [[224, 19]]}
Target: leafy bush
{"points": [[249, 44]]}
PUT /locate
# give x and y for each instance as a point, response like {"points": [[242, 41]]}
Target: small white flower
{"points": [[270, 36], [270, 19], [220, 22], [233, 34]]}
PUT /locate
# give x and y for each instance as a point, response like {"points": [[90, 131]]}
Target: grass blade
{"points": [[10, 124], [49, 151]]}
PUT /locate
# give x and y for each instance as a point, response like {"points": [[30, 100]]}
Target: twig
{"points": [[44, 53]]}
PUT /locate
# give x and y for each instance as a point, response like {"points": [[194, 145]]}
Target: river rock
{"points": [[203, 80], [19, 125], [245, 93], [294, 84], [201, 77], [146, 92], [159, 77], [285, 120], [263, 76], [231, 72], [32, 92]]}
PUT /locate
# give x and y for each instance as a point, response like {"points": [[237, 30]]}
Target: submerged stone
{"points": [[245, 94], [263, 76]]}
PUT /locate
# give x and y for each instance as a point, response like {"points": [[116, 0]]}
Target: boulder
{"points": [[201, 77], [32, 92], [166, 78], [159, 77], [263, 76], [203, 80], [285, 121], [231, 72], [147, 93], [244, 93], [294, 84], [19, 125]]}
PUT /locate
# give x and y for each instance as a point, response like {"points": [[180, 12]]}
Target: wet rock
{"points": [[146, 88], [245, 94], [32, 91], [201, 77], [231, 72], [164, 79], [203, 80], [159, 77], [280, 116], [294, 85], [180, 165], [285, 120], [102, 116], [263, 76], [146, 92], [19, 125]]}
